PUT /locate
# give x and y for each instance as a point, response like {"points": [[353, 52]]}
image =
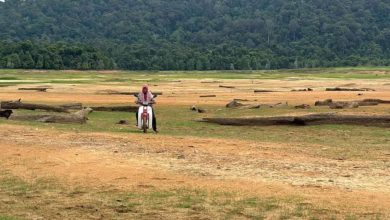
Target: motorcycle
{"points": [[145, 117]]}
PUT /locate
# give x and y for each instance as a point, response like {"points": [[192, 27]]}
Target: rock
{"points": [[6, 113], [302, 90], [338, 89], [194, 108], [123, 122], [254, 107], [181, 156], [346, 175], [343, 105], [228, 87], [326, 102], [208, 96], [234, 104], [201, 110], [250, 106], [263, 90], [303, 106]]}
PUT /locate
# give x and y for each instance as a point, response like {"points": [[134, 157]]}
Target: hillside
{"points": [[193, 34]]}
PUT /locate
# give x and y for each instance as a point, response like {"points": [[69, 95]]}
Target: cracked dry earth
{"points": [[130, 160]]}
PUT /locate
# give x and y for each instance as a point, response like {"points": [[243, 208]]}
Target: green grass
{"points": [[9, 78], [95, 77], [218, 205], [49, 199], [17, 187], [7, 218], [330, 141]]}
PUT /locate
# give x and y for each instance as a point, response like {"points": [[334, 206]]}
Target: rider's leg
{"points": [[154, 122]]}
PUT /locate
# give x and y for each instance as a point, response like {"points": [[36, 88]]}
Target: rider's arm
{"points": [[138, 101], [153, 101]]}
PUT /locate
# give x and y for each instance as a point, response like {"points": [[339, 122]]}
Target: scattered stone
{"points": [[254, 107], [302, 90], [234, 104], [343, 105], [227, 87], [263, 90], [338, 89], [6, 113], [197, 109], [38, 89], [279, 104], [194, 108], [208, 96], [123, 122], [201, 110], [326, 102], [303, 106], [181, 156]]}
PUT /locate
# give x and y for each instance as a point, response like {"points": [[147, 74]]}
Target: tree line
{"points": [[28, 55], [194, 34]]}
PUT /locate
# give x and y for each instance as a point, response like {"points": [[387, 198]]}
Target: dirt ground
{"points": [[188, 92], [137, 161]]}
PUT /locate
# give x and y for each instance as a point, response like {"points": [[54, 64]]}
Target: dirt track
{"points": [[125, 161]]}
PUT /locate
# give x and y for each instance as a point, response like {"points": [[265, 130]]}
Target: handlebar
{"points": [[136, 95]]}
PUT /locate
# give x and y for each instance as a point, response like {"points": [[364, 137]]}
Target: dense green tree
{"points": [[30, 55], [27, 61], [193, 34], [13, 61]]}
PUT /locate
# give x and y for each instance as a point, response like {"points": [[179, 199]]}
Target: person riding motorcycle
{"points": [[146, 97]]}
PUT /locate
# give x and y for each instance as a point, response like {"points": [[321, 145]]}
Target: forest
{"points": [[193, 34]]}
